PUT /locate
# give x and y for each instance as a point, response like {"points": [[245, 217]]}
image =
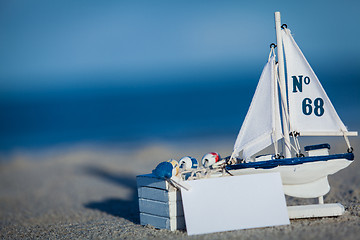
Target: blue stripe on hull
{"points": [[289, 161]]}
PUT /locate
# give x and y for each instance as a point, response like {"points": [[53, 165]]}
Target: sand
{"points": [[90, 192]]}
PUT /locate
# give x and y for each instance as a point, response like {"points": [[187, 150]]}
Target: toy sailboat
{"points": [[281, 108], [290, 107]]}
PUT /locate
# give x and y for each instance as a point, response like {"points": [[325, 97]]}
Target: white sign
{"points": [[231, 203]]}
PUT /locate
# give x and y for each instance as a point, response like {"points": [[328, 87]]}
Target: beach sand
{"points": [[90, 192]]}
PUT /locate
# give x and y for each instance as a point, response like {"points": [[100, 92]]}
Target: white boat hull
{"points": [[306, 180]]}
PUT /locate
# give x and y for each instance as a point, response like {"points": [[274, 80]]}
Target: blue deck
{"points": [[290, 161]]}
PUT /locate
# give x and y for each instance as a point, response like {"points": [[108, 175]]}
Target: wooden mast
{"points": [[280, 56]]}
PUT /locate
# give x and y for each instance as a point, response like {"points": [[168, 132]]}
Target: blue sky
{"points": [[49, 44]]}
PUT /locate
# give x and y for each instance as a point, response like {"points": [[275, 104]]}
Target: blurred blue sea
{"points": [[122, 115], [178, 112]]}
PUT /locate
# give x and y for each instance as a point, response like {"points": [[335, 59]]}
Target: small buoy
{"points": [[210, 158], [175, 165], [163, 170], [188, 163]]}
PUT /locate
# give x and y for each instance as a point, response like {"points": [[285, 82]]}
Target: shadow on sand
{"points": [[128, 209]]}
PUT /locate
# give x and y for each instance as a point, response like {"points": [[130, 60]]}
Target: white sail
{"points": [[310, 109], [261, 126]]}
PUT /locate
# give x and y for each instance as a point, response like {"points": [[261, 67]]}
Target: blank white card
{"points": [[237, 202]]}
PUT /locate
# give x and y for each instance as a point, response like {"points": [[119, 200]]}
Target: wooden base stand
{"points": [[316, 210]]}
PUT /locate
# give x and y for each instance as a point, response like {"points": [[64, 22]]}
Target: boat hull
{"points": [[301, 177]]}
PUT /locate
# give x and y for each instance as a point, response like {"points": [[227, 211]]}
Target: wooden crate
{"points": [[160, 203]]}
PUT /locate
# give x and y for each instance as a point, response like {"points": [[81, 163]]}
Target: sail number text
{"points": [[297, 82], [318, 108], [308, 106]]}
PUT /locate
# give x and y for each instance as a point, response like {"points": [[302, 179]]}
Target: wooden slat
{"points": [[150, 180], [163, 209], [159, 194], [173, 223]]}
